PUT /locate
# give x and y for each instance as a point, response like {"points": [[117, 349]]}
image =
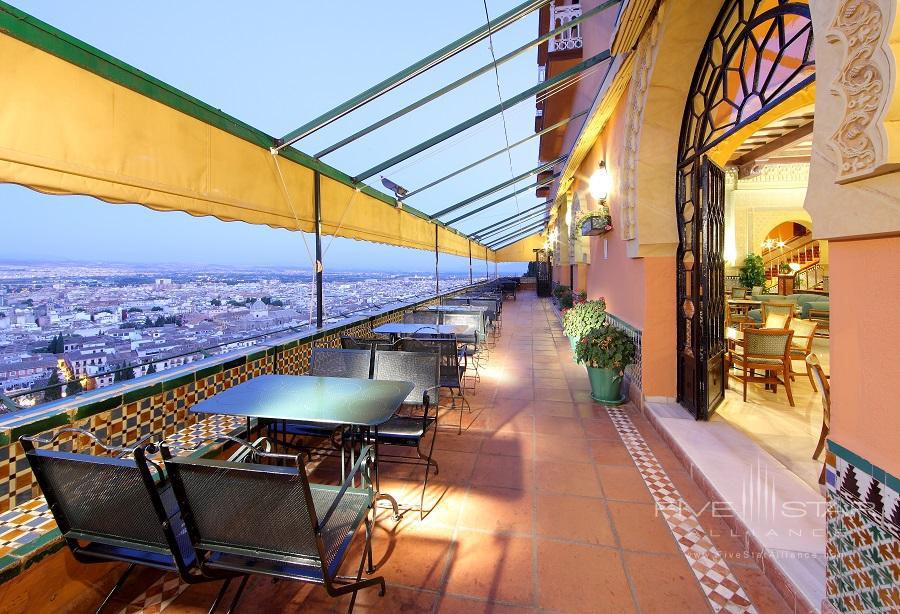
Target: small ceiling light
{"points": [[399, 191], [599, 184]]}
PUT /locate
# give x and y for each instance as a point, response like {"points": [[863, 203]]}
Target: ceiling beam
{"points": [[565, 77], [763, 151], [482, 231], [537, 184], [466, 78], [533, 227], [495, 154], [506, 228], [430, 61], [471, 199]]}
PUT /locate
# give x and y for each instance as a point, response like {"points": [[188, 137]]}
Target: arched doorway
{"points": [[758, 54]]}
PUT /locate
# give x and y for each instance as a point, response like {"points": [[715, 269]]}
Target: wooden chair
{"points": [[784, 310], [822, 317], [766, 350], [818, 375], [801, 345]]}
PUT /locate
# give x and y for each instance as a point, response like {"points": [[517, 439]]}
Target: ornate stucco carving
{"points": [[637, 97], [860, 141]]}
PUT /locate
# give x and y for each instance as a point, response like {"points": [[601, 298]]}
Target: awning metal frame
{"points": [[535, 185], [533, 227]]}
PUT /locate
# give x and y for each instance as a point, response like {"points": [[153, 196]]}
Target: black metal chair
{"points": [[472, 343], [116, 508], [422, 369], [492, 312], [452, 366], [366, 343], [253, 518], [329, 362], [422, 317], [456, 301]]}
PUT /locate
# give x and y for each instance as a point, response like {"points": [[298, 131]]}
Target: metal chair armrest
{"points": [[120, 450]]}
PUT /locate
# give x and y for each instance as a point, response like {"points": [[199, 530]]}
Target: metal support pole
{"points": [[317, 191], [470, 262], [437, 277]]}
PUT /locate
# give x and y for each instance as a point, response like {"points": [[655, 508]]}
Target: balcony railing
{"points": [[569, 39]]}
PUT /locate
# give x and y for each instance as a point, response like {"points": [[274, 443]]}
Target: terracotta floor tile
{"points": [[454, 467], [599, 429], [575, 578], [664, 583], [493, 567], [503, 472], [559, 409], [623, 483], [497, 510], [408, 553], [396, 599], [461, 605], [640, 528], [508, 444], [554, 425], [557, 448], [759, 589], [575, 518], [566, 478], [552, 394], [610, 452]]}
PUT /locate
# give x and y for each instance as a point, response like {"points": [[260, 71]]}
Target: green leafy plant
{"points": [[566, 300], [606, 348], [581, 218], [584, 317], [784, 268], [560, 289], [752, 273]]}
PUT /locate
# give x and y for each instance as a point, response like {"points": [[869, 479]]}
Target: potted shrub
{"points": [[752, 273], [582, 318], [605, 352]]}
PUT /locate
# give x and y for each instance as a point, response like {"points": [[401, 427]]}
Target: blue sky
{"points": [[277, 68]]}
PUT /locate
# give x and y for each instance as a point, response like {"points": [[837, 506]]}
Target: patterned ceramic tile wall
{"points": [[863, 528], [634, 371]]}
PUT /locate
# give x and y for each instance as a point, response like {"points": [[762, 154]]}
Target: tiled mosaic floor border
{"points": [[721, 587]]}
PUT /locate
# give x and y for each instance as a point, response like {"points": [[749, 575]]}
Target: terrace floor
{"points": [[546, 501]]}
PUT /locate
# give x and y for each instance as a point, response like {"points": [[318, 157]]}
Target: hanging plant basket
{"points": [[595, 225]]}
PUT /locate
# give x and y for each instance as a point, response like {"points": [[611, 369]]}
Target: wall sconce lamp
{"points": [[599, 184]]}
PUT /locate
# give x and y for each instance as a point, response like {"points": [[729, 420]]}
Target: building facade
{"points": [[762, 128]]}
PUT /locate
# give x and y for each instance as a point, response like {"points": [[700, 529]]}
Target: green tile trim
{"points": [[92, 409], [39, 426], [4, 439], [204, 373], [178, 382], [36, 549], [234, 363], [862, 464], [256, 356], [142, 393]]}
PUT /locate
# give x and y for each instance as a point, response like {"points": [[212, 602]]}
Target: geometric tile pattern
{"points": [[24, 524], [157, 597], [863, 547], [719, 584]]}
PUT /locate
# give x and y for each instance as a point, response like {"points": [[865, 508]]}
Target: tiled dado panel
{"points": [[162, 408], [863, 526], [635, 370]]}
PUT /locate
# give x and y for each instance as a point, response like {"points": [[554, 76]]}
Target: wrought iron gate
{"points": [[758, 54], [543, 272]]}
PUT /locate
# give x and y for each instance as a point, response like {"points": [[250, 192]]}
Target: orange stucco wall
{"points": [[865, 342]]}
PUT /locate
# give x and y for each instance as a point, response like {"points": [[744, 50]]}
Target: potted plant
{"points": [[752, 273], [605, 352], [582, 318]]}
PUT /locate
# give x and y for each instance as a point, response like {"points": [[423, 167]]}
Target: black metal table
{"points": [[361, 403]]}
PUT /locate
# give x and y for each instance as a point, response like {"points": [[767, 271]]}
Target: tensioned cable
{"points": [[287, 196], [512, 173], [450, 143]]}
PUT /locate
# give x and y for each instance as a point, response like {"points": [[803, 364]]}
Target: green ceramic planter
{"points": [[573, 341], [606, 386]]}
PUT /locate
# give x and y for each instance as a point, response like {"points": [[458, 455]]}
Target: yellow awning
{"points": [[74, 120], [522, 250]]}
